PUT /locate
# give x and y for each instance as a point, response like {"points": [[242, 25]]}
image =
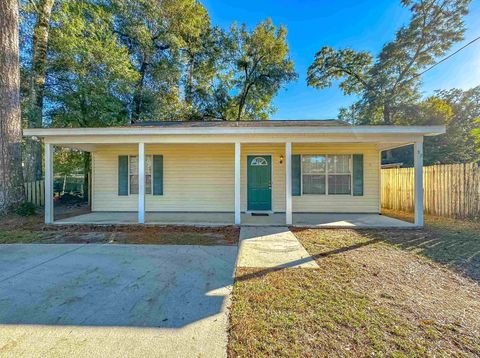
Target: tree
{"points": [[460, 111], [90, 78], [457, 145], [33, 158], [261, 68], [11, 176], [165, 40], [391, 82]]}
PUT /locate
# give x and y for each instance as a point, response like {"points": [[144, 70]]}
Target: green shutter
{"points": [[158, 175], [358, 174], [296, 175], [123, 175]]}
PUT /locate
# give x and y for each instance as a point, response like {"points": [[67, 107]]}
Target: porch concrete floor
{"points": [[222, 219]]}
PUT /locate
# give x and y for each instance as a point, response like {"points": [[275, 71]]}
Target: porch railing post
{"points": [[238, 214], [288, 183], [418, 181], [141, 183], [49, 183]]}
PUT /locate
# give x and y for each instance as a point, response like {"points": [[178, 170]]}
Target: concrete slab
{"points": [[222, 219], [272, 247], [345, 221], [115, 300]]}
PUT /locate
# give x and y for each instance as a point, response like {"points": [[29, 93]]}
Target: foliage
{"points": [[90, 76], [460, 111], [163, 38], [68, 161], [112, 61], [390, 84], [261, 68], [26, 209]]}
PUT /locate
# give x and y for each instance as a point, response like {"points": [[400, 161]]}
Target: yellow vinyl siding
{"points": [[196, 177], [200, 177]]}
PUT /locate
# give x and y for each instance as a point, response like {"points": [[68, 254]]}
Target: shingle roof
{"points": [[242, 124]]}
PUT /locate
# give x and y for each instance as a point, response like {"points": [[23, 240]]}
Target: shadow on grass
{"points": [[454, 246], [449, 242], [294, 263]]}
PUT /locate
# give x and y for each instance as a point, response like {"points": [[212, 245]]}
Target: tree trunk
{"points": [[12, 191], [33, 160], [189, 84], [138, 96], [387, 114]]}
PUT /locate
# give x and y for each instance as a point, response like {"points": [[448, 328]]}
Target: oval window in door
{"points": [[259, 161]]}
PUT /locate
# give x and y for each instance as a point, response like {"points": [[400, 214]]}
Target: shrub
{"points": [[26, 209]]}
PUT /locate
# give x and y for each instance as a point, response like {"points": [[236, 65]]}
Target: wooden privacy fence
{"points": [[35, 192], [451, 190]]}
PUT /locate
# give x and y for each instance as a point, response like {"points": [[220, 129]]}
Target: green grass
{"points": [[20, 237], [375, 294]]}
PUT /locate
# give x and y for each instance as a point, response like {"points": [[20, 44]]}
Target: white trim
{"points": [[288, 183], [141, 183], [418, 182], [49, 214], [149, 131], [238, 166]]}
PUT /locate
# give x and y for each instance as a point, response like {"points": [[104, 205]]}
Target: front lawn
{"points": [[16, 229], [377, 293]]}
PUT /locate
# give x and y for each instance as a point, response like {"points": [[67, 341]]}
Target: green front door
{"points": [[259, 182]]}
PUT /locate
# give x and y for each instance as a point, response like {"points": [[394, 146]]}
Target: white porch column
{"points": [[238, 213], [49, 183], [288, 183], [141, 183], [418, 181]]}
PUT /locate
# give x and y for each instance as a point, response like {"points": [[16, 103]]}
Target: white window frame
{"points": [[350, 168], [151, 174]]}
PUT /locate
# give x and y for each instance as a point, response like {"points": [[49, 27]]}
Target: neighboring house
{"points": [[281, 167]]}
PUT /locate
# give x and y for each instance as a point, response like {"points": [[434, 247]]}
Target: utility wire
{"points": [[442, 60]]}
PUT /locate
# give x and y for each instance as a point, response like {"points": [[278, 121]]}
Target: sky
{"points": [[359, 24]]}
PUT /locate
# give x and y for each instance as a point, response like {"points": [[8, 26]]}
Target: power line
{"points": [[443, 59]]}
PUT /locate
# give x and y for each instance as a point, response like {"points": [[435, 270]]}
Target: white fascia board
{"points": [[147, 131]]}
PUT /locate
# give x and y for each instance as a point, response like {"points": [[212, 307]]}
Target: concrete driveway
{"points": [[115, 300]]}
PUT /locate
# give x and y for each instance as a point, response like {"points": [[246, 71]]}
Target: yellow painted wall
{"points": [[200, 177]]}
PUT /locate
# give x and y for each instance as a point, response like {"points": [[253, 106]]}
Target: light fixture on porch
{"points": [[281, 159]]}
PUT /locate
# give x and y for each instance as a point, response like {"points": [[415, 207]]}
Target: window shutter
{"points": [[123, 175], [358, 174], [296, 175], [158, 175]]}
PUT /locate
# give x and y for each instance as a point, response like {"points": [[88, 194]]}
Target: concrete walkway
{"points": [[270, 247], [115, 300]]}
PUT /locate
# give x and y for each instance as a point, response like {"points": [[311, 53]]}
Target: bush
{"points": [[26, 209]]}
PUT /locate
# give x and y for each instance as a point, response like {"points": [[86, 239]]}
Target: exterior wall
{"points": [[368, 203], [200, 177], [196, 177]]}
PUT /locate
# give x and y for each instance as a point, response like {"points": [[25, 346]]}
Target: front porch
{"points": [[320, 220]]}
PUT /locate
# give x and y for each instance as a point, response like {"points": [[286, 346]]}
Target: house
{"points": [[227, 172]]}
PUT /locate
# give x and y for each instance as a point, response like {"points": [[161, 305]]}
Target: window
{"points": [[339, 175], [314, 174], [322, 174], [133, 173], [259, 161]]}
